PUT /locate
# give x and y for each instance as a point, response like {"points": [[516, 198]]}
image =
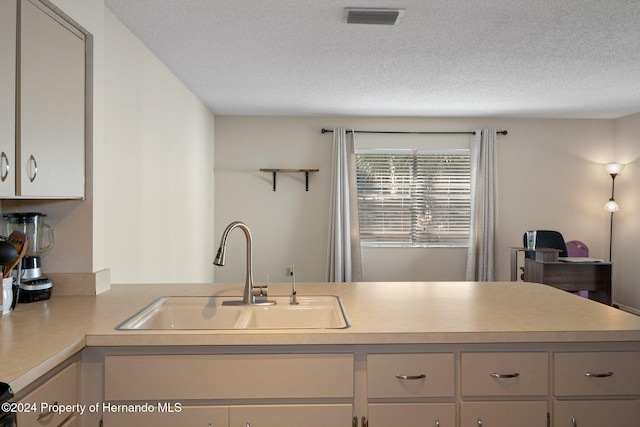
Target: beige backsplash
{"points": [[80, 283]]}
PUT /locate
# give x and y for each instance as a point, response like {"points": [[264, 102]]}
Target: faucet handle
{"points": [[260, 291]]}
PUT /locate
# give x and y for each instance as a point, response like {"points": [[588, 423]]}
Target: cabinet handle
{"points": [[4, 166], [354, 422], [410, 377], [43, 415], [437, 423], [479, 422], [365, 422], [598, 375], [33, 168], [574, 423], [497, 375]]}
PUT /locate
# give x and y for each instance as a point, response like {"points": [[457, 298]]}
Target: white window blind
{"points": [[413, 197]]}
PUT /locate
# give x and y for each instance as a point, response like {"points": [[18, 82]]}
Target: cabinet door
{"points": [[51, 119], [8, 17], [503, 414], [61, 389], [412, 414], [192, 416], [334, 415], [618, 413]]}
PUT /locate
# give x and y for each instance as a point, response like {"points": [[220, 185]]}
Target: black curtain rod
{"points": [[501, 132]]}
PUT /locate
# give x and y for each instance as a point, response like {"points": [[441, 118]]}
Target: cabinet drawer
{"points": [[505, 374], [503, 414], [618, 413], [412, 414], [215, 416], [62, 389], [229, 376], [596, 373], [410, 375]]}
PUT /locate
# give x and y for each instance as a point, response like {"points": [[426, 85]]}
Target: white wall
{"points": [[148, 215], [159, 177], [550, 176], [626, 221]]}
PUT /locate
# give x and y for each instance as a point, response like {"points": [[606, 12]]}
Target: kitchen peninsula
{"points": [[454, 352]]}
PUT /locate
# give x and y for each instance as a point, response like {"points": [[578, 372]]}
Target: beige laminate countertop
{"points": [[38, 336]]}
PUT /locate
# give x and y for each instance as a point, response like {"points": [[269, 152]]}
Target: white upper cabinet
{"points": [[7, 97], [50, 143]]}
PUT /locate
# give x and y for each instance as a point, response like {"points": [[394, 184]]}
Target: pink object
{"points": [[576, 248]]}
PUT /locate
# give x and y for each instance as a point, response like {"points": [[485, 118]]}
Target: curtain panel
{"points": [[481, 259], [344, 261]]}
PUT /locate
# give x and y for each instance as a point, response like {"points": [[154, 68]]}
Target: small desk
{"points": [[569, 276]]}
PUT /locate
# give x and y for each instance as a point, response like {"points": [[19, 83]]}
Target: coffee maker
{"points": [[34, 286]]}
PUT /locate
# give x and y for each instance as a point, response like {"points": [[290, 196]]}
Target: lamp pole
{"points": [[613, 186]]}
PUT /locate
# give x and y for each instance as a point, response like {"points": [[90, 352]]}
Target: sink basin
{"points": [[209, 313]]}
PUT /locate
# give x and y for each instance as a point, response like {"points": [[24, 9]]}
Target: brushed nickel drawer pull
{"points": [[574, 423], [411, 377], [596, 375], [479, 422], [43, 415], [4, 166], [33, 168], [497, 375]]}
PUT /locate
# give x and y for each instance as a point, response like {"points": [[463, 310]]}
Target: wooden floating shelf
{"points": [[274, 174]]}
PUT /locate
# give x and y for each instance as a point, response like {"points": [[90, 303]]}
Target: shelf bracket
{"points": [[274, 175]]}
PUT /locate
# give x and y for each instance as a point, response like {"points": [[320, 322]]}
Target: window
{"points": [[414, 197]]}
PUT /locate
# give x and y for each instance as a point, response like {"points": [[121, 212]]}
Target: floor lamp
{"points": [[613, 169]]}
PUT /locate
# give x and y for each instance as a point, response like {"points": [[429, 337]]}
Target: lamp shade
{"points": [[613, 168], [611, 206]]}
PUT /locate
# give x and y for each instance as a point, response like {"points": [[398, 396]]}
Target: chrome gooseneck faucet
{"points": [[250, 291]]}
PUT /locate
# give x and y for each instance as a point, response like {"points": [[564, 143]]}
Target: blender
{"points": [[34, 286]]}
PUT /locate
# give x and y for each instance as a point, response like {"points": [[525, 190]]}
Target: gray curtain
{"points": [[344, 260], [481, 262]]}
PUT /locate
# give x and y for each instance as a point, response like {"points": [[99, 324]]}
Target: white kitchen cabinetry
{"points": [[441, 385], [594, 389], [8, 13], [51, 113], [61, 389]]}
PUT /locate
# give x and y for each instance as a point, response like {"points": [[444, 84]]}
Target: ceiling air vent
{"points": [[359, 15]]}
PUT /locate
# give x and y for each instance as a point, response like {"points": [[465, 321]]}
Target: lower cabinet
{"points": [[320, 415], [196, 416], [53, 402], [412, 414], [599, 413], [503, 414]]}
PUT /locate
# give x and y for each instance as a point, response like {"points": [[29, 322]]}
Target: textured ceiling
{"points": [[451, 58]]}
